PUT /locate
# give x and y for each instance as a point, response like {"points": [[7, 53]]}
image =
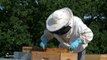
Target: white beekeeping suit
{"points": [[64, 17]]}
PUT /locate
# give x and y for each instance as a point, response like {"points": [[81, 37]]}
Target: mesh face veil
{"points": [[62, 31]]}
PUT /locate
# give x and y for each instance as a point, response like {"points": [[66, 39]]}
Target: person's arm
{"points": [[45, 38], [47, 35], [86, 35]]}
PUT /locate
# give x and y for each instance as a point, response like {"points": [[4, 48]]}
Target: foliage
{"points": [[22, 22]]}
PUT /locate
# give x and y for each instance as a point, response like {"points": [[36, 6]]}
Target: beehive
{"points": [[26, 48], [53, 54], [59, 54], [96, 57]]}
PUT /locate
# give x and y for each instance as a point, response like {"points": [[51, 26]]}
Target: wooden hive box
{"points": [[103, 57], [92, 57], [96, 57], [26, 48], [53, 54]]}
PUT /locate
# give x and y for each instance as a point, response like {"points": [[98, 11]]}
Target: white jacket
{"points": [[78, 30]]}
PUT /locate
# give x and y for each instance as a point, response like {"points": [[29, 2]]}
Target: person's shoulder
{"points": [[76, 18]]}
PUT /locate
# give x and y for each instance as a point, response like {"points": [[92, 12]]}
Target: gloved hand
{"points": [[43, 42], [75, 44]]}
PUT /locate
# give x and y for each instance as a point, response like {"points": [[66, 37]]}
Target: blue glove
{"points": [[75, 44], [43, 42]]}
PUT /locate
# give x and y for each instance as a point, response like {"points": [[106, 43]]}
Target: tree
{"points": [[13, 28], [22, 22]]}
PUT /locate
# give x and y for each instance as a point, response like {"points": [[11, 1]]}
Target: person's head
{"points": [[58, 21]]}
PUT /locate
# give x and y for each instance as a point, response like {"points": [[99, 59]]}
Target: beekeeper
{"points": [[69, 30]]}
